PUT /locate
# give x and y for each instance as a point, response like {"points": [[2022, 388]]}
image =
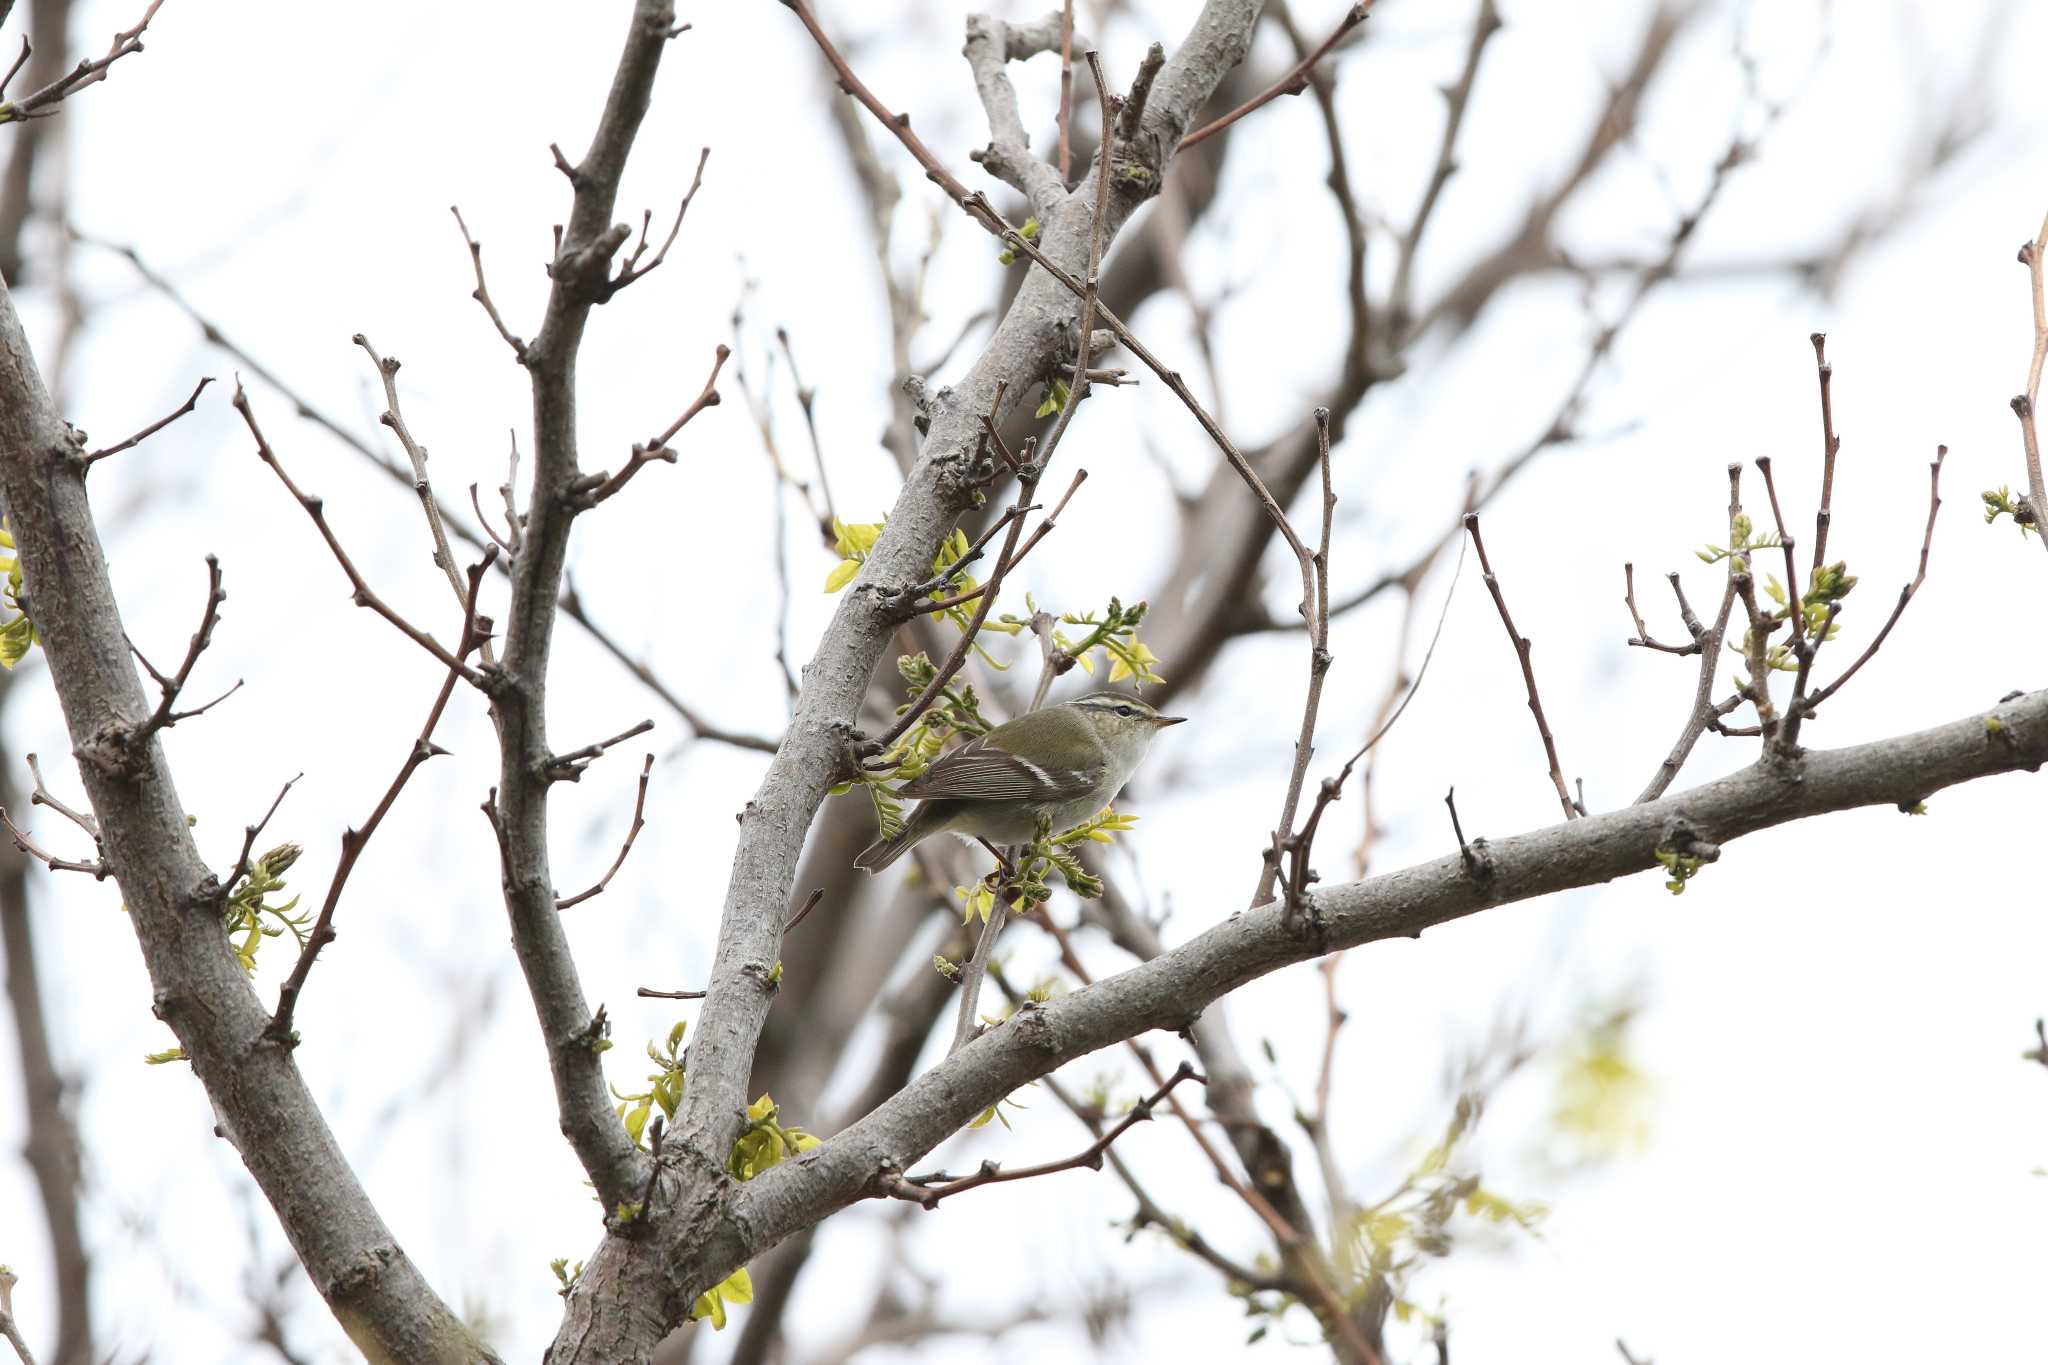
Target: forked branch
{"points": [[1572, 808], [928, 1190]]}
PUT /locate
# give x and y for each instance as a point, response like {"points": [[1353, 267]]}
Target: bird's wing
{"points": [[981, 771]]}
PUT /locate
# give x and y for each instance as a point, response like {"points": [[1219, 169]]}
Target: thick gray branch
{"points": [[174, 902], [991, 46], [773, 825], [688, 1201], [1174, 988], [582, 274]]}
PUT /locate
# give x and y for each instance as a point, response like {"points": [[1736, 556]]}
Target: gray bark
{"points": [[696, 1225], [1171, 991], [52, 1148], [686, 1210], [175, 901]]}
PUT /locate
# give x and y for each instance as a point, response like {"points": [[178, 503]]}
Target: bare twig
{"points": [[928, 1190], [1905, 594], [806, 399], [98, 868], [1457, 99], [251, 833], [2028, 402], [502, 542], [1763, 464], [1704, 714], [1642, 636], [49, 1142], [1038, 533], [20, 61], [898, 125], [86, 73], [632, 269], [966, 1019], [1301, 847], [416, 454], [1304, 1273], [648, 678], [1293, 83], [354, 841], [1027, 485], [1466, 853], [1561, 426], [153, 428], [803, 912], [1315, 610], [1572, 809], [1149, 1212], [940, 580], [978, 207], [1830, 445], [650, 993], [8, 1279], [569, 767], [658, 447], [364, 597], [165, 716], [632, 833], [482, 292], [570, 604], [42, 796]]}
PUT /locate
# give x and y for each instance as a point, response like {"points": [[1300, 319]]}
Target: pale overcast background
{"points": [[1844, 1140]]}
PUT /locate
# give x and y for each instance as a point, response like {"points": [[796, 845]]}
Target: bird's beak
{"points": [[1163, 721]]}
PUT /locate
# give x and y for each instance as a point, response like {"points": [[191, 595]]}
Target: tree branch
{"points": [[262, 1103], [571, 605], [991, 45], [1315, 614], [153, 428], [1293, 83], [353, 841], [1572, 809], [364, 596], [88, 72], [581, 275], [2028, 403], [928, 1190], [1168, 991], [632, 833], [815, 750]]}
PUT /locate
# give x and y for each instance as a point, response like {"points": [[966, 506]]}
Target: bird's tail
{"points": [[882, 852]]}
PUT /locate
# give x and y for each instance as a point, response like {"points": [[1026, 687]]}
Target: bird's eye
{"points": [[1125, 711]]}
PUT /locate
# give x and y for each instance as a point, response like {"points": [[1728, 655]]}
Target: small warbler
{"points": [[1058, 765]]}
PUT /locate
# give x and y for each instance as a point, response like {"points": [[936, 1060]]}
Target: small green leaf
{"points": [[16, 638]]}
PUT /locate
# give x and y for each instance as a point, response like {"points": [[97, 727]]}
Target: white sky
{"points": [[1835, 1011]]}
